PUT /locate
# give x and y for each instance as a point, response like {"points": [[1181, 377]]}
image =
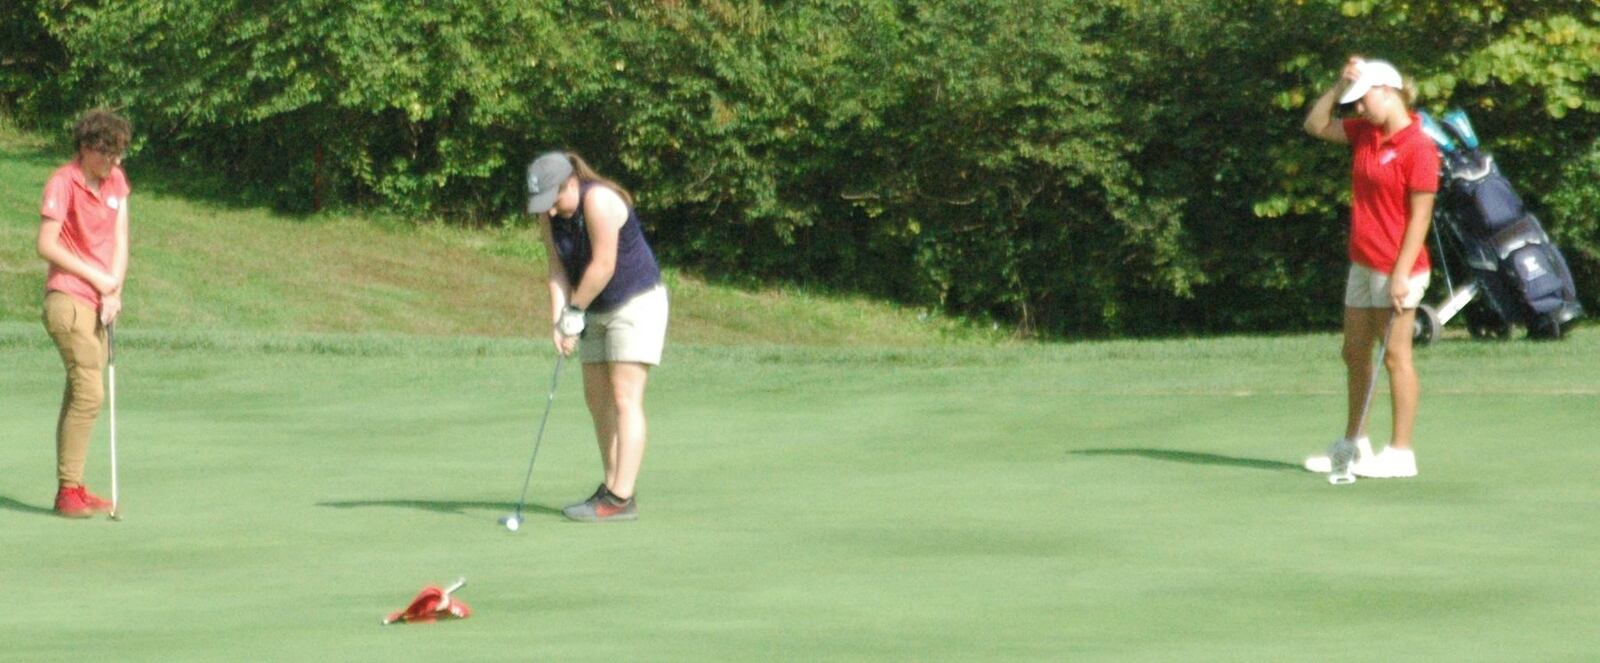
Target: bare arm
{"points": [[119, 261], [560, 289], [1419, 216], [558, 282], [1320, 121], [111, 303], [605, 213]]}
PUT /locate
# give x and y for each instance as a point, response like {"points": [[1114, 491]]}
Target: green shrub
{"points": [[1068, 167]]}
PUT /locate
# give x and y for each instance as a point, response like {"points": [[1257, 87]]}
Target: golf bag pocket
{"points": [[1537, 277], [1527, 230], [1487, 204]]}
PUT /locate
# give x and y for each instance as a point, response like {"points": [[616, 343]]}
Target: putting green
{"points": [[1106, 501]]}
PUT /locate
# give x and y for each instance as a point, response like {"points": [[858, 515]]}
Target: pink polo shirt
{"points": [[1383, 175], [88, 225]]}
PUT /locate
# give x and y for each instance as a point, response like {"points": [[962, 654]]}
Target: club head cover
{"points": [[1461, 126], [1440, 136]]}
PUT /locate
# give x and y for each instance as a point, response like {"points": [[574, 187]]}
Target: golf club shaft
{"points": [[111, 376], [1443, 267], [1372, 380], [555, 379]]}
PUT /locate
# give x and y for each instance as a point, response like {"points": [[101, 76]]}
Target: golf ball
{"points": [[512, 523]]}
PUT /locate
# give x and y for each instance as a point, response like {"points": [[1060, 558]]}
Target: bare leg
{"points": [[597, 394], [1404, 387], [627, 383], [1361, 329]]}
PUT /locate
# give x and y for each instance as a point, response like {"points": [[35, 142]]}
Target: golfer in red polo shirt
{"points": [[83, 235], [1393, 177]]}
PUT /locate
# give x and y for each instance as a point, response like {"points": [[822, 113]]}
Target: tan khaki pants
{"points": [[81, 339]]}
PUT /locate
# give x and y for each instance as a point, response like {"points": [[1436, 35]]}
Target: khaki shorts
{"points": [[634, 332], [1366, 288]]}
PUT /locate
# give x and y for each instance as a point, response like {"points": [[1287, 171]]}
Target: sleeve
{"points": [[1353, 126], [1422, 173], [57, 198]]}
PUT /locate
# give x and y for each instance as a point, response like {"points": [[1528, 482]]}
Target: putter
{"points": [[111, 391], [513, 522], [1366, 401]]}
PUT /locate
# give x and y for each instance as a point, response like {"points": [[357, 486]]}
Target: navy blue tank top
{"points": [[636, 269]]}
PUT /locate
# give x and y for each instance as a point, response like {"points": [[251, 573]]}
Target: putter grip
{"points": [[111, 344]]}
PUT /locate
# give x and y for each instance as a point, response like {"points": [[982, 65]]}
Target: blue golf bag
{"points": [[1516, 274]]}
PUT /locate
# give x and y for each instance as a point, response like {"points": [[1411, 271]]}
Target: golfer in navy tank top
{"points": [[607, 304]]}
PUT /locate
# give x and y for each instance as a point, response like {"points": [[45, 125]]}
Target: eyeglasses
{"points": [[113, 155]]}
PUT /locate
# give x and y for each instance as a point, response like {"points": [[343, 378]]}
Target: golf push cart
{"points": [[1515, 274]]}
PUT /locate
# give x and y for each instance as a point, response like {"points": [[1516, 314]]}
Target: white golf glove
{"points": [[571, 321]]}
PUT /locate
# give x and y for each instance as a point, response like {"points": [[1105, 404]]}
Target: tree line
{"points": [[1071, 167]]}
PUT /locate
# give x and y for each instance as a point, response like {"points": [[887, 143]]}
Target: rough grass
{"points": [[220, 267]]}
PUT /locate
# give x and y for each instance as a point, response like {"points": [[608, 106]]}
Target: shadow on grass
{"points": [[1194, 458], [440, 506], [13, 505]]}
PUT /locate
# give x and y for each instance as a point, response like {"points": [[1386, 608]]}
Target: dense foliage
{"points": [[1072, 167]]}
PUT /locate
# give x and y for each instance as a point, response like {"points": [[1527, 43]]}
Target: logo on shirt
{"points": [[114, 202], [1386, 156]]}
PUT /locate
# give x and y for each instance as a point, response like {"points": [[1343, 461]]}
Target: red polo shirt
{"points": [[1383, 175], [88, 225]]}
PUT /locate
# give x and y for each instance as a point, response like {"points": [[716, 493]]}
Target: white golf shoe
{"points": [[1321, 464], [1390, 463]]}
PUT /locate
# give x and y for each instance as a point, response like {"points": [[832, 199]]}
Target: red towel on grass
{"points": [[430, 605]]}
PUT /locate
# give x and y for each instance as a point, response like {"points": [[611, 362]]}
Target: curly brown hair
{"points": [[103, 131]]}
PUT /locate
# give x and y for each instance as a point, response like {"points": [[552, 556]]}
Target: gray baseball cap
{"points": [[545, 176]]}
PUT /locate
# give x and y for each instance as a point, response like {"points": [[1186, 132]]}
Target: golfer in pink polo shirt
{"points": [[1394, 175], [83, 235]]}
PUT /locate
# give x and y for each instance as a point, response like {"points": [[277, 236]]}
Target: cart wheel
{"points": [[1425, 329], [1484, 323], [1545, 327]]}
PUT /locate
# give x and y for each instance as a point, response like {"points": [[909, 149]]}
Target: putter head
{"points": [[115, 516], [1342, 479]]}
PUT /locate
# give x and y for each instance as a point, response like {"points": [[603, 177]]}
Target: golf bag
{"points": [[1511, 262]]}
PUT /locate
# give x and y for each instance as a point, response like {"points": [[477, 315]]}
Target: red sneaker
{"points": [[94, 501], [70, 503]]}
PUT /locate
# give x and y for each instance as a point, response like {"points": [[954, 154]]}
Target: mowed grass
{"points": [[1099, 501]]}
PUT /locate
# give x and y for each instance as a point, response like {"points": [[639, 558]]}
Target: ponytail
{"points": [[584, 173]]}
